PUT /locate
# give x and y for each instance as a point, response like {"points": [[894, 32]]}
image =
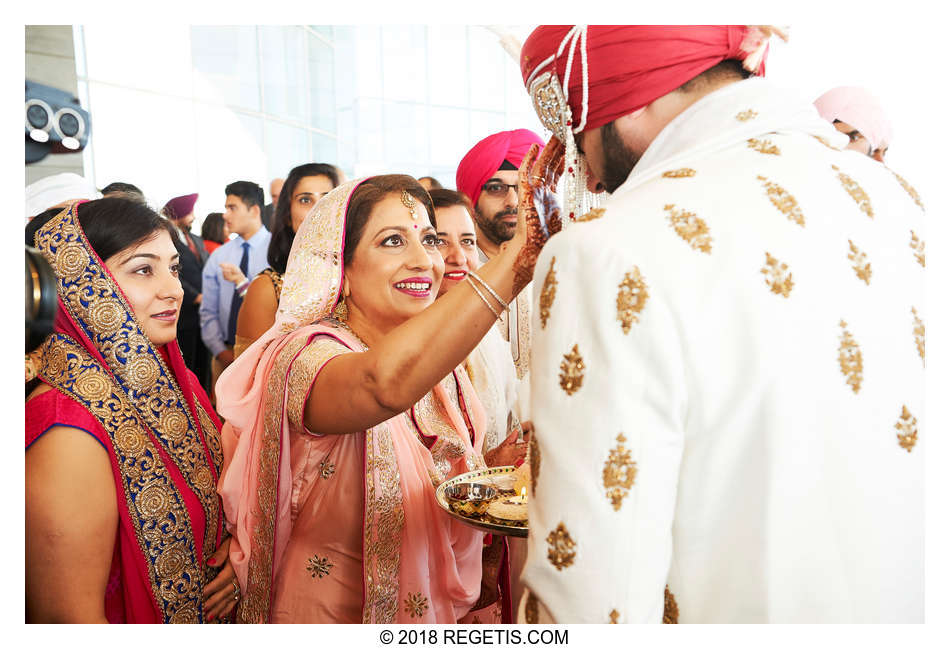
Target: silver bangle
{"points": [[488, 288], [482, 295]]}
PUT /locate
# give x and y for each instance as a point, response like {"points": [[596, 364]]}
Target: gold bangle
{"points": [[495, 295], [484, 299]]}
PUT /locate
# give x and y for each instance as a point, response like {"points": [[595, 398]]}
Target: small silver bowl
{"points": [[470, 498]]}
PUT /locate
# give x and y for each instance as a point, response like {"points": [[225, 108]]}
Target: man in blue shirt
{"points": [[227, 271]]}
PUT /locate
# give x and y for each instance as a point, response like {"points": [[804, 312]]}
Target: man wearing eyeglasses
{"points": [[488, 175]]}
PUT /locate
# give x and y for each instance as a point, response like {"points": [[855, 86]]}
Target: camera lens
{"points": [[68, 124], [36, 116]]}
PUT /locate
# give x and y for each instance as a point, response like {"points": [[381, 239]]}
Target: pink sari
{"points": [[341, 528]]}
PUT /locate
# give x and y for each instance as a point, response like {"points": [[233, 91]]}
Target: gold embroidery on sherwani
{"points": [[763, 146], [631, 298], [906, 430], [548, 291], [561, 550], [614, 616], [572, 371], [691, 229], [907, 188], [783, 201], [918, 247], [854, 190], [531, 609], [860, 263], [850, 359], [535, 458], [777, 277], [319, 566], [619, 473], [671, 612], [918, 334], [825, 142], [593, 215], [416, 604], [746, 115], [684, 172]]}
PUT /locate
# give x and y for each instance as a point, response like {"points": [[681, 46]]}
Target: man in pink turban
{"points": [[728, 354], [488, 175], [857, 113]]}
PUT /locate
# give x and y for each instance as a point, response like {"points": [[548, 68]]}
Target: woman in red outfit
{"points": [[123, 523]]}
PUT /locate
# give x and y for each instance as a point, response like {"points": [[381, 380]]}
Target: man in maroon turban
{"points": [[727, 363]]}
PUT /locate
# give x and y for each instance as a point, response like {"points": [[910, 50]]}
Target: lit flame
{"points": [[524, 495]]}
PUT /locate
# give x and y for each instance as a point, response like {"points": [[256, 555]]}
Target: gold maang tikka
{"points": [[409, 201]]}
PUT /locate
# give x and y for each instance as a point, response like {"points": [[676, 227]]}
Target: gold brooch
{"points": [[906, 430], [850, 359], [561, 547], [548, 291], [783, 201], [854, 190], [620, 472], [860, 263], [690, 228], [631, 298], [918, 247], [572, 371], [777, 276], [409, 201]]}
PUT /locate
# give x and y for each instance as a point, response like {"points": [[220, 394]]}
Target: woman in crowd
{"points": [[122, 446], [352, 407], [214, 231], [305, 185]]}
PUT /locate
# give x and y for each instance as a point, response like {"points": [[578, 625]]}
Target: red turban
{"points": [[486, 157], [629, 66], [180, 206]]}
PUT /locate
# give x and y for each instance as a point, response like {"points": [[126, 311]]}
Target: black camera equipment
{"points": [[55, 123], [41, 299]]}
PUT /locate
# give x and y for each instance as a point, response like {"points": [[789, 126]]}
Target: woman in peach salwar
{"points": [[345, 415]]}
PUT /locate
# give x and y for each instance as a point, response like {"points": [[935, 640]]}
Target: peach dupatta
{"points": [[416, 564]]}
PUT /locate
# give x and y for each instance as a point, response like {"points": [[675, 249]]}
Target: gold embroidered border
{"points": [[157, 511]]}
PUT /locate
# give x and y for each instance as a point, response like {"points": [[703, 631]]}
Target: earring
{"points": [[340, 312]]}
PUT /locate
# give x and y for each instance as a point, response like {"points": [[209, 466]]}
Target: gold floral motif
{"points": [[907, 188], [142, 372], [572, 371], [93, 386], [327, 469], [534, 453], [763, 146], [671, 612], [71, 261], [319, 566], [854, 190], [777, 277], [850, 359], [614, 616], [548, 291], [107, 316], [593, 215], [906, 430], [416, 604], [175, 425], [619, 474], [746, 115], [631, 298], [561, 550], [684, 172], [918, 333], [691, 229], [531, 609], [918, 247], [860, 263], [783, 201]]}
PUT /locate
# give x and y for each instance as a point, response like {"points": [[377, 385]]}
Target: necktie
{"points": [[236, 299]]}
